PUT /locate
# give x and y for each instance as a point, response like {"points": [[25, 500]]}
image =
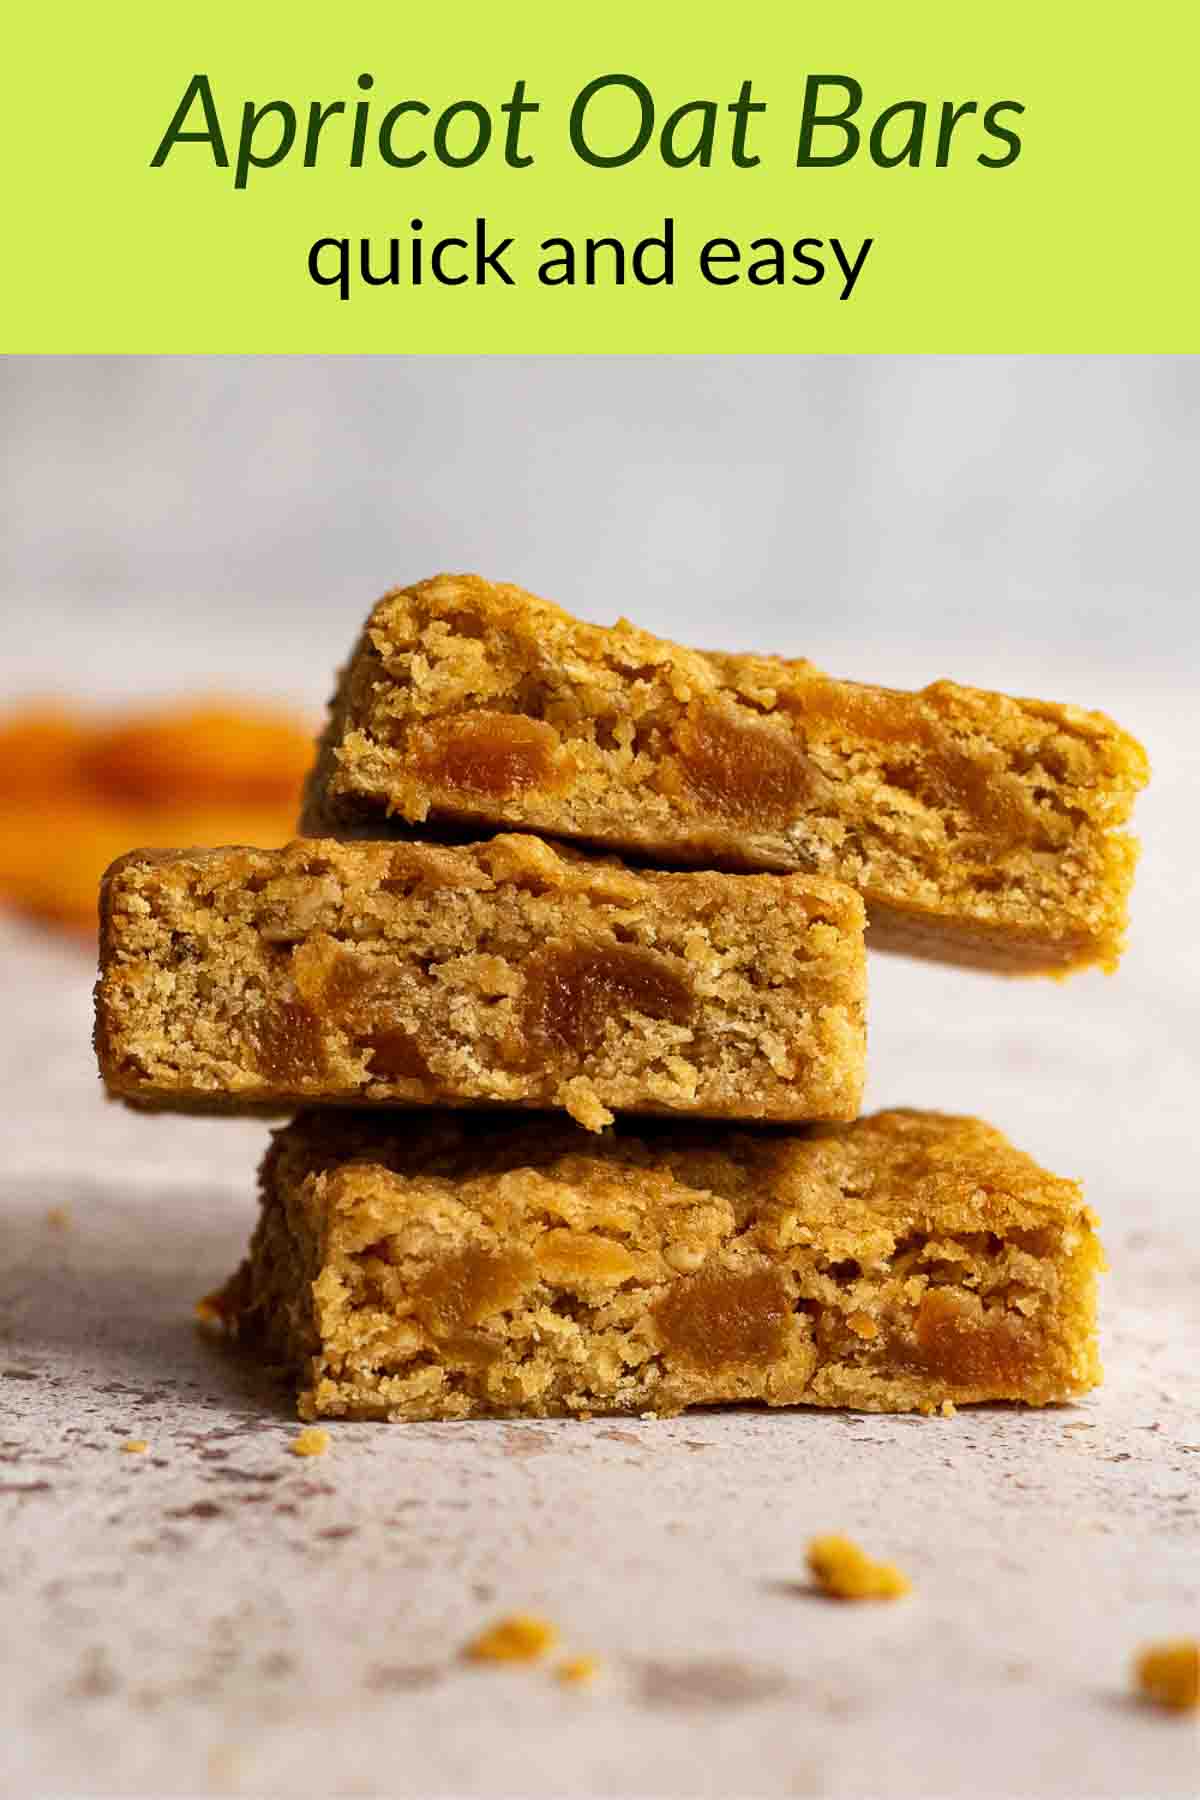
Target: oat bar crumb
{"points": [[577, 1671], [134, 1446], [847, 1573], [312, 1441], [521, 1637], [1169, 1674]]}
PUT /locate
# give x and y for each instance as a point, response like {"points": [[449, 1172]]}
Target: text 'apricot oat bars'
{"points": [[466, 1265], [977, 827], [507, 973]]}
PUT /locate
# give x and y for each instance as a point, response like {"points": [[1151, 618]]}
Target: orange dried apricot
{"points": [[712, 1321], [221, 749], [743, 771], [572, 990], [78, 795], [490, 754]]}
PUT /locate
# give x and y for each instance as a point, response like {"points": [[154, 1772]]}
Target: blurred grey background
{"points": [[174, 521]]}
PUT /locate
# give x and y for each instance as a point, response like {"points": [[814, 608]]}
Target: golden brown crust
{"points": [[504, 973], [977, 827], [474, 1266]]}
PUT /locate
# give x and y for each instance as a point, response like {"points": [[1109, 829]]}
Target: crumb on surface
{"points": [[847, 1573], [584, 1104], [59, 1218], [577, 1671], [521, 1637], [1169, 1674], [134, 1446], [312, 1441]]}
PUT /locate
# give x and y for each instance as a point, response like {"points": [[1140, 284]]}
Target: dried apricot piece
{"points": [[469, 1286], [715, 1321], [222, 749], [288, 1045], [572, 990], [746, 772], [490, 755], [41, 749], [959, 1342]]}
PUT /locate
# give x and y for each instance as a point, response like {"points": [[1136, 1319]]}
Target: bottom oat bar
{"points": [[454, 1267]]}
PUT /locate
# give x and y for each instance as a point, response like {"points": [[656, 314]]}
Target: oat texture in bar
{"points": [[467, 1265], [508, 973], [977, 827]]}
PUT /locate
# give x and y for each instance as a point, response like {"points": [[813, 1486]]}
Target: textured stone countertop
{"points": [[218, 1616]]}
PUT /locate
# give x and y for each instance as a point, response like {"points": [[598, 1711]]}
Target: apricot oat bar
{"points": [[471, 1265], [505, 973], [978, 828]]}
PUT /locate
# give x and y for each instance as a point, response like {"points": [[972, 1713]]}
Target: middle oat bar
{"points": [[505, 973]]}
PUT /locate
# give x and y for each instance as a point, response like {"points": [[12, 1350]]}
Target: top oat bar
{"points": [[978, 828]]}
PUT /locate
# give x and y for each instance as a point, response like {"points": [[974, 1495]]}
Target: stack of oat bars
{"points": [[568, 980]]}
